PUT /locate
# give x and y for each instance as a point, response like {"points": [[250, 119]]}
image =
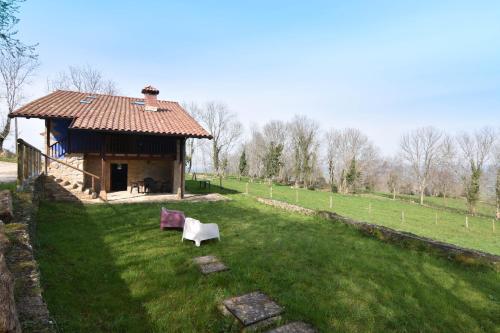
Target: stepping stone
{"points": [[294, 327], [210, 264], [255, 310]]}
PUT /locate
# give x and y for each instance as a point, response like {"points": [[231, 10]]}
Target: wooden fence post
{"points": [[331, 201], [25, 164], [20, 170], [466, 222]]}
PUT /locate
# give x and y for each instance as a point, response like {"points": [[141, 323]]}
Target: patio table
{"points": [[204, 183]]}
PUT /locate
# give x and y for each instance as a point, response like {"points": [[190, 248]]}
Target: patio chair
{"points": [[136, 186], [171, 219], [196, 231], [149, 185]]}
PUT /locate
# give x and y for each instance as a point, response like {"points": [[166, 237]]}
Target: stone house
{"points": [[110, 143]]}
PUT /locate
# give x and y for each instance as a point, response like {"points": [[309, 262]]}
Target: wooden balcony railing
{"points": [[29, 164], [59, 148], [94, 143]]}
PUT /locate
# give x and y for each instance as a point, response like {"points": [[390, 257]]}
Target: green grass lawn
{"points": [[8, 186], [459, 205], [420, 220], [108, 268], [12, 159]]}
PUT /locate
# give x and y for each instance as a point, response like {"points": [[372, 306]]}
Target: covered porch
{"points": [[121, 197]]}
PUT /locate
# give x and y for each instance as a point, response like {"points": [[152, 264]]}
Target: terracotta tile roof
{"points": [[113, 113]]}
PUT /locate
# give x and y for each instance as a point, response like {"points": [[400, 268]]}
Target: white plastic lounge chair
{"points": [[196, 231]]}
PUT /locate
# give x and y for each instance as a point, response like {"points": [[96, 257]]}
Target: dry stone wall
{"points": [[9, 321], [6, 209], [451, 251], [61, 171]]}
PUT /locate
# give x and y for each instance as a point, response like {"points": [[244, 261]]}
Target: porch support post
{"points": [[103, 193], [47, 145], [179, 169], [182, 165]]}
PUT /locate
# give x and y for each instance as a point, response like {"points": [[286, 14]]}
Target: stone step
{"points": [[255, 311], [294, 327], [63, 190]]}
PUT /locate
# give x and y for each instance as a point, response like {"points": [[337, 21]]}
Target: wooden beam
{"points": [[138, 158], [47, 145], [182, 165], [103, 193]]}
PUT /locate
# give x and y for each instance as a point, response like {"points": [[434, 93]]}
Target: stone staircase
{"points": [[63, 190]]}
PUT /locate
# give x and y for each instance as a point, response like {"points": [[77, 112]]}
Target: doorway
{"points": [[119, 176]]}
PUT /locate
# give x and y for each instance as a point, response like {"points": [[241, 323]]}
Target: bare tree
{"points": [[476, 150], [255, 149], [194, 110], [224, 128], [496, 167], [275, 131], [275, 135], [83, 79], [349, 153], [16, 70], [446, 166], [395, 176], [333, 139], [420, 148], [304, 141], [497, 191]]}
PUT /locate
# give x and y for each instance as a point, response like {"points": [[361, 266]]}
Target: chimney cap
{"points": [[150, 90]]}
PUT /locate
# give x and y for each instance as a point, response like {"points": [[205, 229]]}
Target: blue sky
{"points": [[381, 66]]}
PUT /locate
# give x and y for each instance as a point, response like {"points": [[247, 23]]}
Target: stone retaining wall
{"points": [[287, 206], [62, 171], [32, 312], [6, 209], [451, 251], [9, 321]]}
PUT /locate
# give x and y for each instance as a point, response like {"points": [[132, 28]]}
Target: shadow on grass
{"points": [[197, 187], [83, 286], [112, 268]]}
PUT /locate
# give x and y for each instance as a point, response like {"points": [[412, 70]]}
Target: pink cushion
{"points": [[171, 219]]}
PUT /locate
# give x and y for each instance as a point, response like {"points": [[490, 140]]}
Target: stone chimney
{"points": [[150, 98]]}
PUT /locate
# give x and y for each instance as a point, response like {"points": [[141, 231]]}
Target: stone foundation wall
{"points": [[451, 251], [61, 171]]}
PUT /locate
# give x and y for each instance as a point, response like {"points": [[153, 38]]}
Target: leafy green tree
{"points": [[243, 163], [352, 176], [272, 160], [472, 188], [476, 149]]}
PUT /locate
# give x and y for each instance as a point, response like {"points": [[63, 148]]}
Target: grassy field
{"points": [[8, 159], [420, 220], [108, 268], [459, 205]]}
